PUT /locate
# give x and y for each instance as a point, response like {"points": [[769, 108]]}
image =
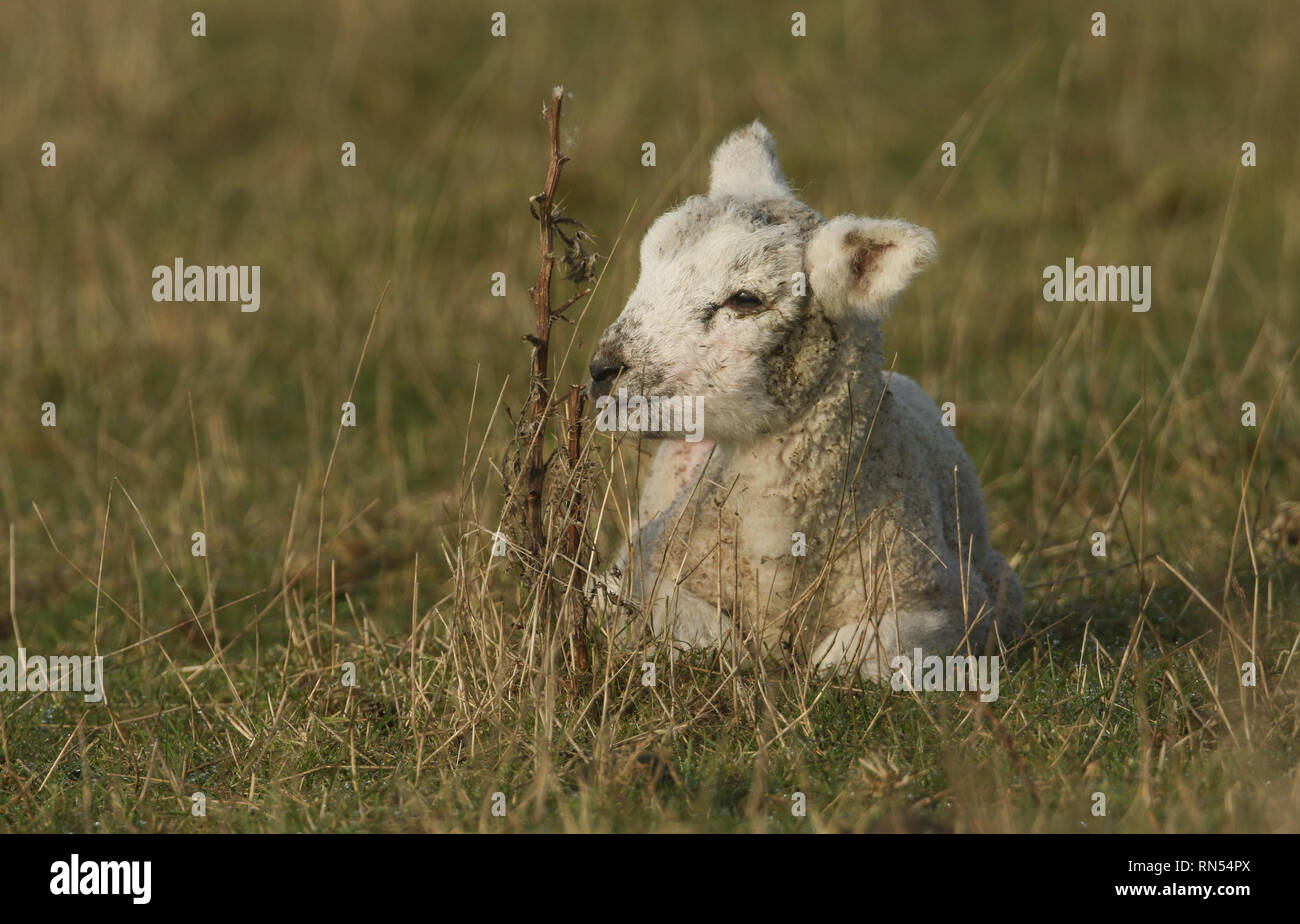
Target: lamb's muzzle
{"points": [[604, 370]]}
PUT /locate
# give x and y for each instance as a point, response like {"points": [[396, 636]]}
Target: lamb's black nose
{"points": [[603, 373]]}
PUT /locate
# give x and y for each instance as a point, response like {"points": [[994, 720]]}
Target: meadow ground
{"points": [[371, 545]]}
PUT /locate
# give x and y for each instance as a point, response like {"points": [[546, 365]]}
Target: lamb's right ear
{"points": [[857, 265]]}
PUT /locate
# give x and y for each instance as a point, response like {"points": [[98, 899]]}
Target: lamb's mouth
{"points": [[631, 410], [599, 389]]}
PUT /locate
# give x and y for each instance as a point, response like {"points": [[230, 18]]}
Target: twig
{"points": [[559, 517], [538, 393]]}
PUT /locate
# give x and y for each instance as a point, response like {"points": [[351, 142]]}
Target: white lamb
{"points": [[827, 517]]}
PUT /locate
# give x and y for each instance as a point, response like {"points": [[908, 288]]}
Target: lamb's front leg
{"points": [[652, 608], [687, 623], [868, 646], [649, 601]]}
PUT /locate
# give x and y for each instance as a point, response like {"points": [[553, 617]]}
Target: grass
{"points": [[223, 673]]}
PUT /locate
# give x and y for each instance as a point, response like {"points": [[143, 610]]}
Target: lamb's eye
{"points": [[745, 300]]}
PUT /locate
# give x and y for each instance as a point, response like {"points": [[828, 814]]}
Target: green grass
{"points": [[226, 150]]}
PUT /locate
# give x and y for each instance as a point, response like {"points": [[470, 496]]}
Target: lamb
{"points": [[827, 517]]}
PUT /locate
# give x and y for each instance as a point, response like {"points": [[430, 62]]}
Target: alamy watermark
{"points": [[53, 674], [1098, 284], [236, 283], [952, 674], [656, 414], [76, 876]]}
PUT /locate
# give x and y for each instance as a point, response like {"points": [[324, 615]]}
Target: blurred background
{"points": [[226, 149]]}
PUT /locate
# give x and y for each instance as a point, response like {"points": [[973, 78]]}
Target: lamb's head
{"points": [[742, 286]]}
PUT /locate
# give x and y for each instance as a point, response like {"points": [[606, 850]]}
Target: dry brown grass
{"points": [[372, 546]]}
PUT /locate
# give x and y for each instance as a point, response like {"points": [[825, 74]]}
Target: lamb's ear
{"points": [[857, 265], [745, 166]]}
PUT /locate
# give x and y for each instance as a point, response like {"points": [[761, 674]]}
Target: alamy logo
{"points": [[103, 877], [1098, 284], [953, 674], [656, 414], [55, 674], [181, 283]]}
